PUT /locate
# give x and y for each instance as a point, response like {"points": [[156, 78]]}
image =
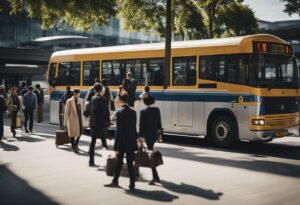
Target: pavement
{"points": [[34, 171]]}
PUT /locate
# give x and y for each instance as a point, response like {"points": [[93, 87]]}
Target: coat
{"points": [[126, 135], [71, 118], [11, 106], [150, 123], [99, 113]]}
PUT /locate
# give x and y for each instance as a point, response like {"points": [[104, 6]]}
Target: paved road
{"points": [[34, 171]]}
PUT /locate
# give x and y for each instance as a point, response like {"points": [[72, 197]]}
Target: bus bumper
{"points": [[268, 135]]}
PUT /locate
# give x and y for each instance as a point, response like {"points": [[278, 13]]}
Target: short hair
{"points": [[30, 87], [68, 88], [147, 88], [13, 88], [98, 87], [37, 86], [123, 96], [148, 99], [97, 80], [129, 74], [76, 90]]}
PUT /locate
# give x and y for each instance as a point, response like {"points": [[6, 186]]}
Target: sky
{"points": [[270, 10]]}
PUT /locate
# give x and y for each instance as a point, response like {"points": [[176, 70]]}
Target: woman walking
{"points": [[73, 119]]}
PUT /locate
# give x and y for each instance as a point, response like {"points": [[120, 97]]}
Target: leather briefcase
{"points": [[148, 158], [111, 163], [62, 137]]}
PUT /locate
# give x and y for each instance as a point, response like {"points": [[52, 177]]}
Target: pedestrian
{"points": [[66, 96], [13, 105], [73, 119], [2, 110], [24, 89], [92, 92], [108, 95], [129, 85], [146, 91], [125, 141], [150, 128], [99, 121], [40, 101], [29, 104]]}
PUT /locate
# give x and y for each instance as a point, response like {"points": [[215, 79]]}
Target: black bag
{"points": [[111, 163], [148, 158], [62, 137]]}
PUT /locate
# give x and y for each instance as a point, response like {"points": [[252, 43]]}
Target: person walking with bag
{"points": [[99, 121], [150, 128], [125, 141], [73, 119], [13, 105], [2, 110], [29, 105]]}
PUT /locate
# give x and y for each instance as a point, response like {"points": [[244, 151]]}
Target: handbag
{"points": [[148, 158]]}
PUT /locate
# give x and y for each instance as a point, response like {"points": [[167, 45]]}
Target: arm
{"points": [[142, 125], [159, 119]]}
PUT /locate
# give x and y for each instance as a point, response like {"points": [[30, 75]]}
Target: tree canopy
{"points": [[79, 14], [194, 19], [292, 6]]}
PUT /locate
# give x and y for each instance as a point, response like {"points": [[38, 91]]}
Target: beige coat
{"points": [[71, 118]]}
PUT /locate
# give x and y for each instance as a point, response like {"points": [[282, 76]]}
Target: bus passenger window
{"points": [[206, 65], [111, 71], [243, 70], [91, 71], [154, 75], [68, 74], [51, 76], [231, 65], [184, 71]]}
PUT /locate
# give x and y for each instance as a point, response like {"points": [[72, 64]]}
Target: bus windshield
{"points": [[274, 71]]}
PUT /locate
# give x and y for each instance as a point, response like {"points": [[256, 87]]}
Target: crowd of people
{"points": [[99, 104], [20, 104]]}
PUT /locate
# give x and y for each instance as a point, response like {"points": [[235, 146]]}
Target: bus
{"points": [[228, 89]]}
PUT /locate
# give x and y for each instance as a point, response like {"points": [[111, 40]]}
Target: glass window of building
{"points": [[68, 74], [91, 71], [184, 71]]}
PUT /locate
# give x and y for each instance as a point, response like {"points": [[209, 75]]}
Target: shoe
{"points": [[112, 185], [92, 164], [26, 131], [14, 135], [30, 131], [76, 150], [153, 181], [131, 188]]}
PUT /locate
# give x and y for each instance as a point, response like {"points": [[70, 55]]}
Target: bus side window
{"points": [[206, 68], [111, 71], [68, 74], [231, 67], [91, 71], [51, 76], [154, 75], [184, 71]]}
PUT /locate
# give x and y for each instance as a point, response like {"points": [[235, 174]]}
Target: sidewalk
{"points": [[34, 171]]}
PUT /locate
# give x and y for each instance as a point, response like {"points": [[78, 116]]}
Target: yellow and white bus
{"points": [[230, 89]]}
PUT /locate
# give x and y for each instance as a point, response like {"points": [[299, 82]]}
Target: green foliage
{"points": [[292, 6], [237, 19], [76, 13]]}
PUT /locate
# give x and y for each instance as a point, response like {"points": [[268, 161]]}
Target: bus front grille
{"points": [[281, 120]]}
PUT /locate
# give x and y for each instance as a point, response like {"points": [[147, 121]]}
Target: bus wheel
{"points": [[223, 132]]}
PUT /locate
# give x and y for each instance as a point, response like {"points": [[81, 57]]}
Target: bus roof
{"points": [[177, 44]]}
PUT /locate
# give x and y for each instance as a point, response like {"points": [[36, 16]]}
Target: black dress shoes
{"points": [[92, 164], [112, 185]]}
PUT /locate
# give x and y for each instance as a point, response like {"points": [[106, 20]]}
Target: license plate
{"points": [[281, 133]]}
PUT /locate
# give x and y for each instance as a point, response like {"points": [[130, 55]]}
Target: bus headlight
{"points": [[258, 122]]}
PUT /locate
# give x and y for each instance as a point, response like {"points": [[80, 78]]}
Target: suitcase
{"points": [[111, 165], [62, 138]]}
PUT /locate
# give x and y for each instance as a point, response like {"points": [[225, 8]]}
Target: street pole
{"points": [[167, 45]]}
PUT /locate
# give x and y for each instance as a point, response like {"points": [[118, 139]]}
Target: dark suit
{"points": [[2, 109], [99, 121], [126, 141], [150, 123]]}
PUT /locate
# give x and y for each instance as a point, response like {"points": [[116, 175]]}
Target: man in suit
{"points": [[2, 109], [125, 140], [150, 128], [29, 104], [99, 121], [40, 100], [129, 85], [13, 104]]}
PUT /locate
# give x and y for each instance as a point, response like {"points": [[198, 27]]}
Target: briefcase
{"points": [[156, 158], [148, 158], [62, 137], [111, 166]]}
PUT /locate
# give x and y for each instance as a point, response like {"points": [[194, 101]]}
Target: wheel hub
{"points": [[222, 130]]}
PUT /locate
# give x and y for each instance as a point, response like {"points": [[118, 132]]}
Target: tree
{"points": [[79, 14], [237, 20], [149, 15], [292, 6]]}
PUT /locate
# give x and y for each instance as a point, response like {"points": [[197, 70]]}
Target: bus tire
{"points": [[223, 132]]}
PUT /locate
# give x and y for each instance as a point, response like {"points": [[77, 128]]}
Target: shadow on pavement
{"points": [[8, 147], [191, 190], [28, 139], [153, 195], [16, 191], [258, 149]]}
